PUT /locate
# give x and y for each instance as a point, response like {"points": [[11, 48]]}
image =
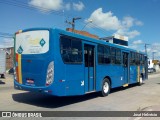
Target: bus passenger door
{"points": [[126, 69], [89, 59]]}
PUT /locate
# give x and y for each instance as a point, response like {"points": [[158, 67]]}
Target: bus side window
{"points": [[141, 59], [100, 54], [71, 50], [134, 58], [137, 59], [103, 54], [76, 47], [65, 49], [107, 55], [125, 59], [118, 56], [113, 55]]}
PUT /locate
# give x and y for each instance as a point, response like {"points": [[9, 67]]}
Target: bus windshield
{"points": [[32, 42]]}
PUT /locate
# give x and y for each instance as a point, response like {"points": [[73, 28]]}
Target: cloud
{"points": [[137, 42], [49, 5], [155, 47], [138, 23], [78, 6], [136, 45], [132, 34], [108, 21], [128, 33], [133, 46], [7, 42], [68, 6], [129, 21]]}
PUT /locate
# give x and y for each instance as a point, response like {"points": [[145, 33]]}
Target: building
{"points": [[82, 33], [116, 39], [9, 57]]}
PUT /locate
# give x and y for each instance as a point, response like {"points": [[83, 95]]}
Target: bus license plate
{"points": [[30, 81]]}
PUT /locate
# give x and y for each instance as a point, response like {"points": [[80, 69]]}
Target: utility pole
{"points": [[73, 23], [153, 55], [146, 48]]}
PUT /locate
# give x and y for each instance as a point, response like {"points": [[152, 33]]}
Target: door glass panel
{"points": [[89, 56]]}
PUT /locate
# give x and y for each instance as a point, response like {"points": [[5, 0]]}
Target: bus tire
{"points": [[105, 90]]}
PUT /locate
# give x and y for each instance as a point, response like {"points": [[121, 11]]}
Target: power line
{"points": [[60, 13], [6, 35], [30, 7], [97, 29]]}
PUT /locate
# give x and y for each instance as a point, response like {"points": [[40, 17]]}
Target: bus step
{"points": [[125, 85], [90, 92]]}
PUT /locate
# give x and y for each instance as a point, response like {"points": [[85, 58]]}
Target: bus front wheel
{"points": [[105, 87]]}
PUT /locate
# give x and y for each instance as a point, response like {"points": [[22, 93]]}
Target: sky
{"points": [[139, 20]]}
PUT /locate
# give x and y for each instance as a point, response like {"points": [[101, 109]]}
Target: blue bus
{"points": [[62, 63]]}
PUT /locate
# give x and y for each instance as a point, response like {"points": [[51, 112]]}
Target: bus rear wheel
{"points": [[105, 87]]}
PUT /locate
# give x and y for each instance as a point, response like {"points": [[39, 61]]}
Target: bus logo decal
{"points": [[82, 83], [20, 50], [42, 42]]}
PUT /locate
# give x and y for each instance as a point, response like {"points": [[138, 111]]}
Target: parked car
{"points": [[151, 70]]}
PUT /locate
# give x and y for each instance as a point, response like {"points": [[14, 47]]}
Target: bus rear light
{"points": [[61, 80], [50, 74], [48, 91]]}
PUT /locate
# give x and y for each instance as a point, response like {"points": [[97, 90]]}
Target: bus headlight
{"points": [[50, 73]]}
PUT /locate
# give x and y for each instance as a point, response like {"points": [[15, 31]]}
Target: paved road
{"points": [[129, 99]]}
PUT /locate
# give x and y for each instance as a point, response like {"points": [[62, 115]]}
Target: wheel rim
{"points": [[105, 87]]}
